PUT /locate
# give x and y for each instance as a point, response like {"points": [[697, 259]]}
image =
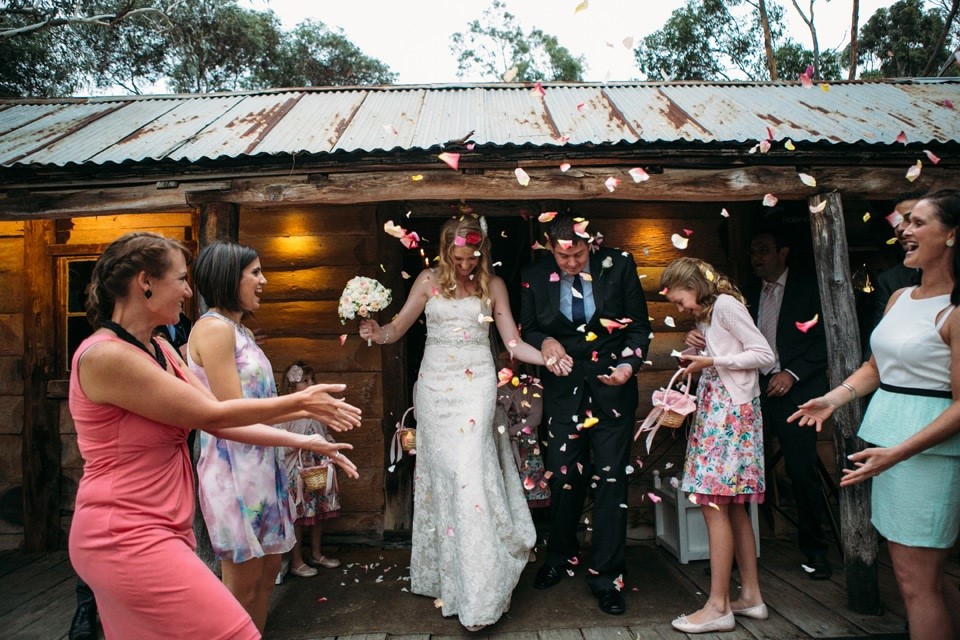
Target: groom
{"points": [[585, 310]]}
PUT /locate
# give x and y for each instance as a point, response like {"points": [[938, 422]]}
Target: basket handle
{"points": [[674, 379], [396, 445]]}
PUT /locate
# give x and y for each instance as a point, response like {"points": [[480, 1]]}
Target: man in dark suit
{"points": [[781, 300], [585, 310]]}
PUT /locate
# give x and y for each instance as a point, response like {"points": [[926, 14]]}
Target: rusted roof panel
{"points": [[416, 118]]}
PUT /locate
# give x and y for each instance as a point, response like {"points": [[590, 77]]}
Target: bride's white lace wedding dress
{"points": [[472, 530]]}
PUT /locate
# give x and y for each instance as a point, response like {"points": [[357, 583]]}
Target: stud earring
{"points": [[950, 242], [148, 294]]}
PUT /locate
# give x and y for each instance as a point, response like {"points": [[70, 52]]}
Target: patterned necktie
{"points": [[768, 318], [576, 309]]}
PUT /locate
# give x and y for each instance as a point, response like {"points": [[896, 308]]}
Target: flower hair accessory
{"points": [[295, 374], [471, 238]]}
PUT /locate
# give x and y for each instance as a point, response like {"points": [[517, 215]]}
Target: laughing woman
{"points": [[243, 488], [913, 421]]}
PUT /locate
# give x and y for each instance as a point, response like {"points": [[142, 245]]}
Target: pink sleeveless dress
{"points": [[131, 538]]}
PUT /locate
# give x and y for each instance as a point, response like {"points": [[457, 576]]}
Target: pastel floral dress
{"points": [[311, 506], [724, 461], [523, 408], [243, 487]]}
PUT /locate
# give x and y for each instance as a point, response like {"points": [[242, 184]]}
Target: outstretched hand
{"points": [[869, 463], [336, 413], [333, 451], [814, 411], [617, 377]]}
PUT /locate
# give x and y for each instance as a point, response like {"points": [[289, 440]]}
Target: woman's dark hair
{"points": [[120, 263], [946, 203], [217, 273]]}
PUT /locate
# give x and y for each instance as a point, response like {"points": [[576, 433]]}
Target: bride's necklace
{"points": [[129, 338]]}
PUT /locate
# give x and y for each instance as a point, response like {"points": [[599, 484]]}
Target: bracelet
{"points": [[384, 332], [849, 387]]}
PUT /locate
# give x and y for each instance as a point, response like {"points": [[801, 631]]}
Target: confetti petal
{"points": [[808, 180], [589, 422], [416, 178], [818, 208], [529, 484], [724, 213], [538, 90], [788, 145], [546, 216], [612, 183], [894, 218], [392, 130], [669, 321], [653, 497], [591, 336], [510, 74], [404, 275], [580, 228], [451, 159], [343, 339], [930, 155], [679, 241], [639, 175], [866, 217], [914, 172], [522, 176], [902, 137], [554, 277], [769, 200], [581, 7], [392, 229], [610, 325], [565, 167], [803, 327]]}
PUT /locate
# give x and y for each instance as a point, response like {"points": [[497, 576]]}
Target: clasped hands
{"points": [[560, 363]]}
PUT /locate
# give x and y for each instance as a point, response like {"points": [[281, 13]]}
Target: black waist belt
{"points": [[929, 393]]}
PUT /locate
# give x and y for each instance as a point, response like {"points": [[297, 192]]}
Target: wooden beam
{"points": [[580, 183], [41, 424], [843, 345]]}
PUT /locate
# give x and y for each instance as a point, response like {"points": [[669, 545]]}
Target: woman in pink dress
{"points": [[134, 402]]}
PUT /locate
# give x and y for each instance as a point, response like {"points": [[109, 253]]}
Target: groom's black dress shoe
{"points": [[612, 602], [547, 576]]}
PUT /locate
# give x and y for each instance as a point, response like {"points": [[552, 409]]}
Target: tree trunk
{"points": [[843, 344], [941, 41], [767, 41], [854, 40], [813, 37]]}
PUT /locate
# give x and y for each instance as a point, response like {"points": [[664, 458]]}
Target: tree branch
{"points": [[103, 20], [942, 40]]}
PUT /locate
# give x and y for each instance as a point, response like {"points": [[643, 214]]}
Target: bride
{"points": [[472, 531]]}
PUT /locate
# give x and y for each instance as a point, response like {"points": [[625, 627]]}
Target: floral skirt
{"points": [[724, 460]]}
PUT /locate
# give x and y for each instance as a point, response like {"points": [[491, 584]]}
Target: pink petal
{"points": [[653, 497], [894, 218], [563, 469], [611, 325], [389, 128], [580, 467], [582, 107], [529, 484], [933, 158], [522, 176], [459, 241], [471, 145], [565, 244], [806, 81], [769, 200], [947, 103], [612, 183], [321, 600], [546, 216], [803, 327], [343, 339], [769, 133], [638, 174], [452, 159], [902, 137], [764, 146], [562, 139], [538, 90], [574, 560], [410, 240], [554, 277], [565, 167], [580, 228], [688, 232], [450, 531]]}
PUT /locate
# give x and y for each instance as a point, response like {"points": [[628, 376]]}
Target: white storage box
{"points": [[680, 525]]}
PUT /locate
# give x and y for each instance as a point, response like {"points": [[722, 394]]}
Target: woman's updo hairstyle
{"points": [[946, 203], [120, 263]]}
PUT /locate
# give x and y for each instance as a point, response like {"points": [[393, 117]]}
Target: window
{"points": [[73, 276]]}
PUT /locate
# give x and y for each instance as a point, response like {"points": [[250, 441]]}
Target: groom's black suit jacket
{"points": [[618, 296]]}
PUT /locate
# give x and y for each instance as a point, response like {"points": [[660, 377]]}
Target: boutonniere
{"points": [[606, 264]]}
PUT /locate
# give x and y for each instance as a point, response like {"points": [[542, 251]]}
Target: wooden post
{"points": [[41, 428], [218, 221], [843, 345], [398, 483]]}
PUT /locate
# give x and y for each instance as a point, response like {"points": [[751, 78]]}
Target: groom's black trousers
{"points": [[606, 476]]}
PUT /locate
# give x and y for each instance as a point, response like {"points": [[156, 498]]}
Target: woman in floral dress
{"points": [[724, 462]]}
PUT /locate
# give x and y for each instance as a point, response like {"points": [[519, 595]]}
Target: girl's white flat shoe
{"points": [[758, 612], [723, 623]]}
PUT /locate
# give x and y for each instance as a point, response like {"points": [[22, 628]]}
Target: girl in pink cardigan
{"points": [[724, 462]]}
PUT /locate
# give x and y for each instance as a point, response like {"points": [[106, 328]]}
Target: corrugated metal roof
{"points": [[419, 118]]}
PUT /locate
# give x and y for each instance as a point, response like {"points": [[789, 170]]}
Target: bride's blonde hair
{"points": [[703, 280], [465, 231]]}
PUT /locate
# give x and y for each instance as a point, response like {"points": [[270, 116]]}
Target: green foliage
{"points": [[711, 40], [313, 56], [898, 41], [793, 59], [495, 43]]}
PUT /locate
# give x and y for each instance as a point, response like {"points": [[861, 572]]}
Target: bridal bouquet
{"points": [[361, 297]]}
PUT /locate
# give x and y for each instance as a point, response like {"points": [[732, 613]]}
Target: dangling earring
{"points": [[148, 294], [950, 242]]}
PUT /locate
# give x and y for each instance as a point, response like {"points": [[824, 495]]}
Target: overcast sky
{"points": [[413, 37]]}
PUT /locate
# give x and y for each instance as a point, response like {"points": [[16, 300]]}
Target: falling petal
{"points": [[914, 172], [450, 531], [438, 603], [688, 232], [565, 167], [902, 137], [612, 183], [806, 81], [565, 244], [948, 104], [451, 159], [529, 484], [894, 219], [410, 240], [471, 145], [581, 7], [343, 339], [866, 217], [724, 213], [788, 145], [669, 465], [591, 336], [547, 216], [469, 375], [639, 175], [769, 133], [653, 497], [404, 275], [538, 90], [669, 321], [589, 422], [808, 180], [586, 277], [679, 241], [582, 107], [482, 318], [580, 228], [510, 74], [416, 178], [764, 146], [512, 344], [930, 155], [826, 89], [389, 128], [818, 208], [522, 177], [576, 294], [563, 469], [594, 356], [809, 324], [394, 230], [892, 240], [321, 600], [628, 42], [554, 277], [611, 324], [769, 200]]}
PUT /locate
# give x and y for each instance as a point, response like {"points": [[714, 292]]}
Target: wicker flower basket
{"points": [[314, 478]]}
